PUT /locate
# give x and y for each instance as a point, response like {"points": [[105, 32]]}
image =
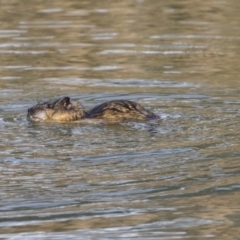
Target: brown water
{"points": [[84, 181]]}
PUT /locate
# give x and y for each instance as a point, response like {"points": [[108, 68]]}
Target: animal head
{"points": [[61, 110]]}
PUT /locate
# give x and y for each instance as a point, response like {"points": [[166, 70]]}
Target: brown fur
{"points": [[120, 110], [65, 110], [61, 110]]}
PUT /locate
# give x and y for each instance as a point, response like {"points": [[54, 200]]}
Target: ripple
{"points": [[138, 156], [9, 33], [51, 10], [22, 52], [10, 77], [44, 44], [104, 36], [173, 36], [119, 51], [121, 82], [106, 68]]}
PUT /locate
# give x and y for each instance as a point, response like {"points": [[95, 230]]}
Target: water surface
{"points": [[95, 181]]}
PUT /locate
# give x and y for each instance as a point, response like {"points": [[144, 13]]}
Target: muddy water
{"points": [[91, 181]]}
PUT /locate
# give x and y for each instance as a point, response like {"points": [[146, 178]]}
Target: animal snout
{"points": [[29, 110]]}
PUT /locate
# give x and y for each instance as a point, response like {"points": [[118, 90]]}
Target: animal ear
{"points": [[64, 102]]}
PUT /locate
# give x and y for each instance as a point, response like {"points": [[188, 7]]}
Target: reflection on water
{"points": [[98, 181]]}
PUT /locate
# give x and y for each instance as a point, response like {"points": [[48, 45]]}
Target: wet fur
{"points": [[121, 110], [62, 110], [65, 110]]}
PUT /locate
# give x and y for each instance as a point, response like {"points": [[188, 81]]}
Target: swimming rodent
{"points": [[66, 110]]}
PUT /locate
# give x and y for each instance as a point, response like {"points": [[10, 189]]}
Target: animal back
{"points": [[120, 110]]}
